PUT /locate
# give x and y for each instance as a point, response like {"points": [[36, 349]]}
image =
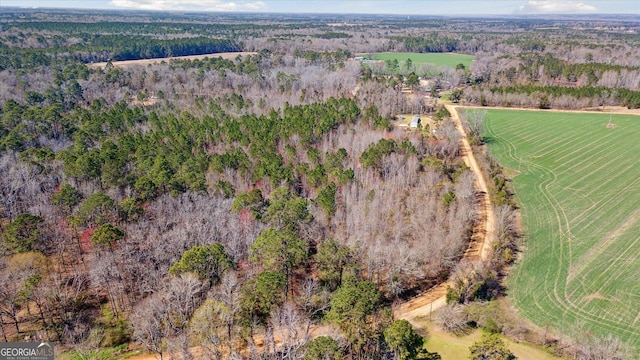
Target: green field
{"points": [[438, 59], [578, 185]]}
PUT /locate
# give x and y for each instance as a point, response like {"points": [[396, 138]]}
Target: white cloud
{"points": [[555, 6], [208, 5], [223, 6], [256, 6]]}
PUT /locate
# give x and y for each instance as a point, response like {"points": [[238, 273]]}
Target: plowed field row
{"points": [[578, 184]]}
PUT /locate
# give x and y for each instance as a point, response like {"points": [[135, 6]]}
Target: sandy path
{"points": [[144, 62], [479, 247]]}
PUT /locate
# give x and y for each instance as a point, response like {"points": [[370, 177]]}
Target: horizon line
{"points": [[514, 14]]}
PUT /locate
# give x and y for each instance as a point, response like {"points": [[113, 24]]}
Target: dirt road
{"points": [[479, 247], [486, 206]]}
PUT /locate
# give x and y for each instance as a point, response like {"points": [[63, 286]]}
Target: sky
{"points": [[404, 7]]}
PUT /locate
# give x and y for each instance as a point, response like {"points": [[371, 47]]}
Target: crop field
{"points": [[578, 185], [438, 59]]}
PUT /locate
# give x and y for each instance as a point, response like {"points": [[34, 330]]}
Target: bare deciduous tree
{"points": [[147, 320], [592, 347], [451, 318], [475, 120], [292, 327]]}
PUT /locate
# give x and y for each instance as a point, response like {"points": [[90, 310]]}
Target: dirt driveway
{"points": [[479, 247]]}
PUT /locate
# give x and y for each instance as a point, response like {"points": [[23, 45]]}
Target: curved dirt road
{"points": [[479, 247]]}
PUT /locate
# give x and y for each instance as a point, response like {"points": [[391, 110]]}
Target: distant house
{"points": [[415, 121]]}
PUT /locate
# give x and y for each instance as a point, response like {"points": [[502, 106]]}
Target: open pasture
{"points": [[578, 184], [438, 59]]}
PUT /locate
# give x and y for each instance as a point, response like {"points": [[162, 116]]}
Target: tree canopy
{"points": [[67, 197], [401, 337], [490, 347], [107, 235], [287, 210], [206, 262], [261, 294], [352, 306], [22, 234], [323, 348]]}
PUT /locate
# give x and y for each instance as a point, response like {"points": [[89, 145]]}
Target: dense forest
{"points": [[237, 203]]}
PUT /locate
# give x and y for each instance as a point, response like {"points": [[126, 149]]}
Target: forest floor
{"points": [[144, 62]]}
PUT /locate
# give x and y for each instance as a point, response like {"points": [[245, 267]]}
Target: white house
{"points": [[415, 121]]}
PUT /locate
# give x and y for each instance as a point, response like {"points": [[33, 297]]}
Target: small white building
{"points": [[415, 121]]}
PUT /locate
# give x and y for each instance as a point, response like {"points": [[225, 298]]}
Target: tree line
{"points": [[545, 97], [429, 43]]}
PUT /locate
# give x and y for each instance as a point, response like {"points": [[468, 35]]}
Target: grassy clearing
{"points": [[119, 352], [578, 184], [438, 59], [452, 347]]}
